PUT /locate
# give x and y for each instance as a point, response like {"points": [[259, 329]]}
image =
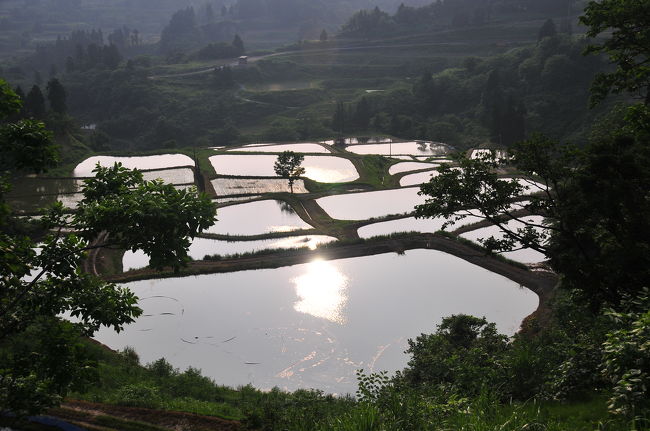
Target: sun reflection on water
{"points": [[322, 292]]}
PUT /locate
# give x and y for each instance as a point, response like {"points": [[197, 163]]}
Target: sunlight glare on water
{"points": [[322, 291]]}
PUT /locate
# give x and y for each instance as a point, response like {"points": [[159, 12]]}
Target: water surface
{"points": [[361, 206], [170, 176], [416, 179], [298, 148], [326, 169], [256, 218], [239, 186], [202, 247], [524, 256], [409, 166], [84, 169], [412, 224], [313, 325], [403, 148]]}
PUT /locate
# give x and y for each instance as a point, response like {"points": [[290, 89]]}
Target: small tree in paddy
{"points": [[288, 165]]}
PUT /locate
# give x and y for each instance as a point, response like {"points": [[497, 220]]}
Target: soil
{"points": [[84, 413]]}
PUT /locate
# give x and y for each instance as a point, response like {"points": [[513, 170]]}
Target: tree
{"points": [[339, 119], [69, 64], [460, 357], [238, 43], [362, 114], [597, 216], [56, 96], [209, 13], [628, 47], [548, 29], [323, 36], [626, 358], [288, 166], [39, 357], [35, 103]]}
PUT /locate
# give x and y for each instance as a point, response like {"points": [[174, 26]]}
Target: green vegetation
{"points": [[583, 365], [41, 358], [382, 403], [288, 165]]}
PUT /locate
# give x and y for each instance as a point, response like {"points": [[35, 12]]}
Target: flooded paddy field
{"points": [[410, 166], [310, 325], [524, 256], [298, 148], [419, 148], [416, 179], [85, 168], [325, 169], [411, 224], [313, 325], [365, 205], [256, 218], [237, 186], [202, 247]]}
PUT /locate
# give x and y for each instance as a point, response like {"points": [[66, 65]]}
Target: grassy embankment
{"points": [[131, 391]]}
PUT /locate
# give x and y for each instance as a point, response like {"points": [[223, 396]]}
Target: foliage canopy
{"points": [[43, 279]]}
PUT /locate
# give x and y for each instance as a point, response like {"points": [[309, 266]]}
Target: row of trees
{"points": [[34, 102], [83, 50], [440, 14], [215, 51], [185, 33]]}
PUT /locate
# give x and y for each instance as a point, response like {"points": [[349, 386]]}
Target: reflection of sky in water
{"points": [[410, 166], [84, 169], [322, 291], [201, 247], [256, 218], [410, 148], [415, 179], [276, 327], [361, 206], [525, 255], [409, 224], [327, 169], [298, 148]]}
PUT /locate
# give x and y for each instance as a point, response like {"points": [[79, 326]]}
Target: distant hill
{"points": [[437, 15], [25, 24]]}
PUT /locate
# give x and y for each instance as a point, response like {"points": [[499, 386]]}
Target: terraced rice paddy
{"points": [[326, 169], [313, 325], [84, 169], [310, 325], [523, 256], [416, 179], [256, 218], [410, 166], [298, 148], [401, 148], [202, 247], [411, 224], [362, 206], [236, 186]]}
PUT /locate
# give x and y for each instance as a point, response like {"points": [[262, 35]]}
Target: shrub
{"points": [[139, 395]]}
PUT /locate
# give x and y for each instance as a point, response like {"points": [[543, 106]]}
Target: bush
{"points": [[626, 358], [138, 395]]}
